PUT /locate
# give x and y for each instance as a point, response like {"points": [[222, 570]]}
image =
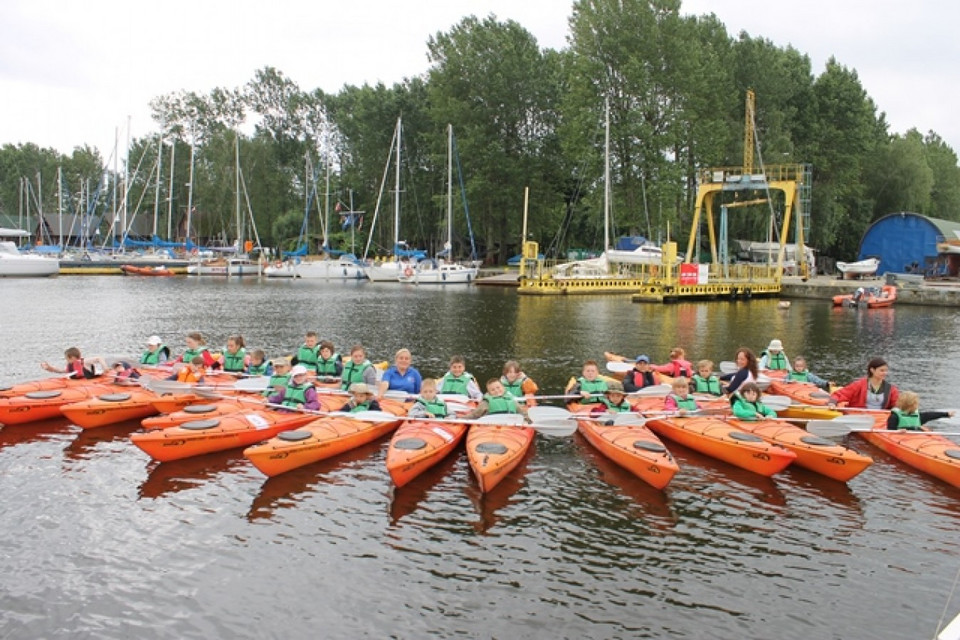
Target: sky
{"points": [[75, 73]]}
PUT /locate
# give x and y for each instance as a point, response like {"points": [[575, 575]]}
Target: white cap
{"points": [[154, 340], [775, 345], [298, 370]]}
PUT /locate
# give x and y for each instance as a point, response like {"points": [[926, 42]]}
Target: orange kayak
{"points": [[48, 384], [195, 412], [717, 438], [43, 405], [232, 431], [495, 450], [170, 403], [937, 455], [320, 439], [801, 392], [817, 454], [420, 444], [111, 408], [633, 447]]}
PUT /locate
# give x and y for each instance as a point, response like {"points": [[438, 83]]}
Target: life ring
{"points": [[279, 265], [408, 272]]}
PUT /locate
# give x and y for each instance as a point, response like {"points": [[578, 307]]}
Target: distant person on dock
{"points": [[75, 366], [309, 352], [517, 383], [747, 370], [774, 358], [156, 354], [358, 369], [746, 403], [678, 365], [871, 392], [299, 392], [704, 380], [458, 381], [589, 386], [363, 399], [197, 346], [329, 362], [640, 376], [427, 404], [800, 373], [234, 358], [907, 415], [402, 376], [495, 401], [680, 400]]}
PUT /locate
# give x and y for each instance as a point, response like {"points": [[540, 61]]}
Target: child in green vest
{"points": [[496, 400], [800, 373], [704, 381], [907, 415], [680, 401], [746, 403], [428, 405]]}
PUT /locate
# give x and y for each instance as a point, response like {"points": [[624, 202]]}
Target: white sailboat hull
{"points": [[645, 254], [14, 264], [387, 271], [316, 270], [426, 273], [229, 269], [862, 268]]}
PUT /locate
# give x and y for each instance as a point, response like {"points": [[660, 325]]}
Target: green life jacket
{"points": [[353, 373], [709, 385], [153, 357], [295, 394], [308, 356], [909, 421], [689, 403], [276, 381], [258, 369], [437, 408], [363, 406], [514, 388], [455, 384], [593, 387], [799, 376], [777, 361], [747, 410], [328, 367], [623, 407], [190, 354], [234, 361], [500, 404]]}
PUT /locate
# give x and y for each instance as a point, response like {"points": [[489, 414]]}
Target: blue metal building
{"points": [[907, 243]]}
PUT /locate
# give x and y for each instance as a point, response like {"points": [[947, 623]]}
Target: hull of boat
{"points": [[386, 272], [443, 275], [317, 440], [419, 445], [315, 270], [195, 412], [719, 439], [203, 436], [816, 454], [851, 270], [633, 447], [224, 270], [47, 384], [935, 455], [133, 270], [642, 255], [111, 408], [14, 264], [45, 404], [495, 450]]}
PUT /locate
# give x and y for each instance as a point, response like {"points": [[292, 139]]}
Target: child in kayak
{"points": [[329, 362], [309, 352], [680, 401], [156, 354], [516, 382], [75, 367], [746, 403], [773, 357], [234, 358], [614, 400], [363, 399], [678, 365], [907, 415], [704, 381], [259, 365], [800, 373], [299, 392], [197, 346], [589, 386], [495, 401], [192, 373], [641, 376], [427, 404], [458, 381]]}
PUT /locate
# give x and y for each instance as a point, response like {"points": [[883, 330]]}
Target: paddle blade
{"points": [[555, 428], [763, 382], [777, 403], [619, 367], [728, 367], [840, 426], [629, 419], [657, 390], [166, 387], [552, 414], [453, 397], [369, 416], [511, 419], [260, 383]]}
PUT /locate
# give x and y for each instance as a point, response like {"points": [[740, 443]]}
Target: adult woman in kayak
{"points": [[747, 371], [870, 392]]}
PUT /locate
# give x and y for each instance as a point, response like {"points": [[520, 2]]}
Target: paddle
{"points": [[547, 427], [557, 415], [727, 366], [172, 387], [656, 390], [842, 426], [619, 367]]}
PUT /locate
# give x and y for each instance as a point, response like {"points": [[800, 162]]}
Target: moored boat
{"points": [[14, 264], [494, 450], [632, 446], [722, 440], [135, 270], [204, 436], [858, 269], [817, 454], [420, 444], [322, 438], [872, 298]]}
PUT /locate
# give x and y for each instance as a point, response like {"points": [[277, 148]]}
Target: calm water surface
{"points": [[97, 541]]}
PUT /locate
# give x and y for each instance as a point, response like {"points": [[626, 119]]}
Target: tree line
{"points": [[523, 117]]}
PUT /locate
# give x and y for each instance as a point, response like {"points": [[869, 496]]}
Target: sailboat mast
{"points": [[449, 246], [396, 201], [156, 196], [606, 179], [326, 207], [236, 155], [173, 157], [189, 198]]}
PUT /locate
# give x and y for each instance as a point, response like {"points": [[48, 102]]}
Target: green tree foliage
{"points": [[900, 178]]}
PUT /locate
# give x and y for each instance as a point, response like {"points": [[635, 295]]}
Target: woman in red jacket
{"points": [[872, 392]]}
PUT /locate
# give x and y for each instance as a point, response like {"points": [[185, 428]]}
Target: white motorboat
{"points": [[14, 264], [439, 272], [343, 269], [644, 254], [851, 270]]}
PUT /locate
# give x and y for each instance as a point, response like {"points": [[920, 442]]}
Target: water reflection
{"points": [[91, 443], [407, 499], [164, 478], [13, 435]]}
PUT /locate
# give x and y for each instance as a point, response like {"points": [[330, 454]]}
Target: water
{"points": [[97, 541]]}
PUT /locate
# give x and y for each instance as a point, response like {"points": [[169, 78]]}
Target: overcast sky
{"points": [[74, 72]]}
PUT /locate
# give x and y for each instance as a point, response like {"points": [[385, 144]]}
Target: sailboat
{"points": [[404, 260], [440, 271], [14, 264], [239, 264], [347, 267]]}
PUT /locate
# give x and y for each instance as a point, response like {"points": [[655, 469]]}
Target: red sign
{"points": [[688, 273]]}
